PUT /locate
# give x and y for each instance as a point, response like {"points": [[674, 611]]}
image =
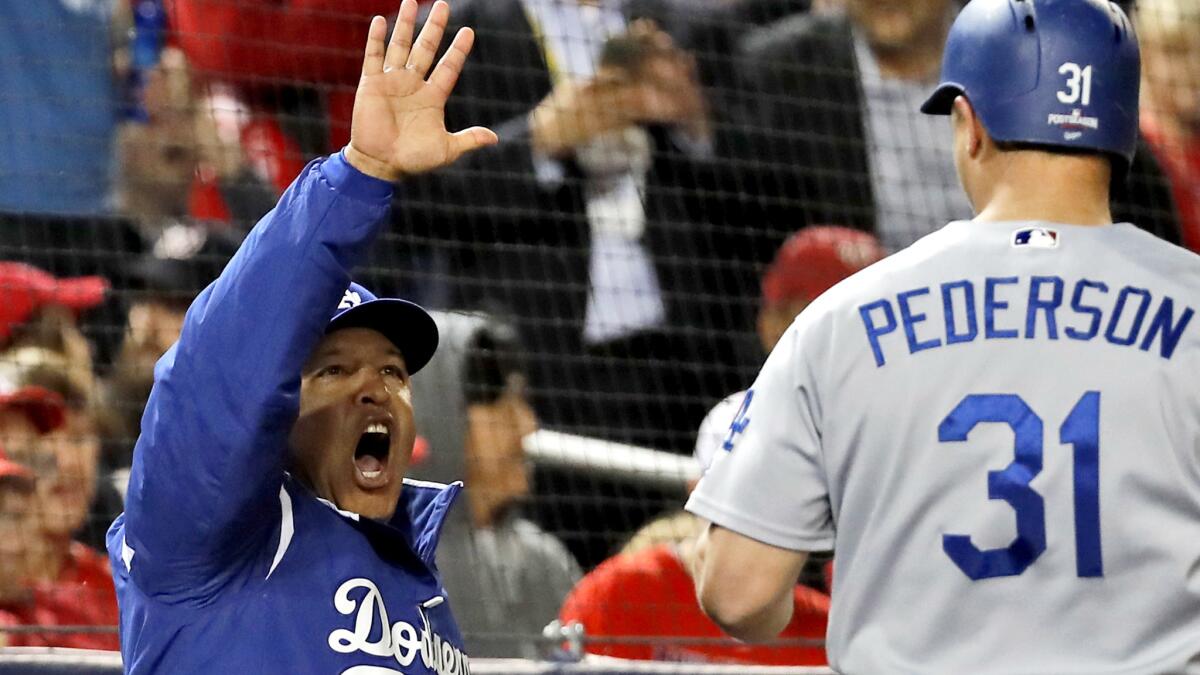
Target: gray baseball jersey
{"points": [[998, 432]]}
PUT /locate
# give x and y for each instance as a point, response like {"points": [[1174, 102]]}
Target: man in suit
{"points": [[828, 131], [585, 224]]}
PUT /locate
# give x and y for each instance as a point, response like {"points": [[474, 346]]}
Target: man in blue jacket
{"points": [[268, 525]]}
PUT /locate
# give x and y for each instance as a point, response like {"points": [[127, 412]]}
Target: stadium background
{"points": [[655, 156]]}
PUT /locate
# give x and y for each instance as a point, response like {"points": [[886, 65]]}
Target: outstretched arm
{"points": [[399, 126], [209, 464]]}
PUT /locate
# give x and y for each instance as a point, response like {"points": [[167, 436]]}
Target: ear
{"points": [[969, 123]]}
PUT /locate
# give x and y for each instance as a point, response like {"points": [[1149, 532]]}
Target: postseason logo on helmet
{"points": [[1035, 237]]}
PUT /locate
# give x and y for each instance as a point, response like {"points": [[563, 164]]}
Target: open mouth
{"points": [[371, 456]]}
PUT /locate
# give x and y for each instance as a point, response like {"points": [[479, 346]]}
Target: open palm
{"points": [[399, 124]]}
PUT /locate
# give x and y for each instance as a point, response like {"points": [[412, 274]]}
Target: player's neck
{"points": [[1050, 188]]}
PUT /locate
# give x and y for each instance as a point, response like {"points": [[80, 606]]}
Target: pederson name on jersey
{"points": [[1011, 308]]}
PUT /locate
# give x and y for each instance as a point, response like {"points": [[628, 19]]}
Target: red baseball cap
{"points": [[812, 260], [24, 289]]}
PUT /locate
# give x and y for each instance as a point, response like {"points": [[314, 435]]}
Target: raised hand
{"points": [[399, 124]]}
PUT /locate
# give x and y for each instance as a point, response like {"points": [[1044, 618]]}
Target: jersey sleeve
{"points": [[209, 464], [767, 481]]}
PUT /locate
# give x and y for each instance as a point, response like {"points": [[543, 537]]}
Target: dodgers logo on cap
{"points": [[406, 324], [352, 298]]}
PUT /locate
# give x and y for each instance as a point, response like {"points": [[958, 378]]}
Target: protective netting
{"points": [[608, 273]]}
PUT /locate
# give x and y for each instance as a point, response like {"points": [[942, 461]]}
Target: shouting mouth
{"points": [[371, 457]]}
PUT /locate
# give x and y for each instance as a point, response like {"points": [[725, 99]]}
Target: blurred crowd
{"points": [[675, 181]]}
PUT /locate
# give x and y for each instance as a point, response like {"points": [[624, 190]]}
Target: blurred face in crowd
{"points": [[155, 325], [159, 156], [496, 467], [151, 327], [64, 459], [65, 463], [898, 25], [1169, 32], [66, 474], [353, 440], [158, 162]]}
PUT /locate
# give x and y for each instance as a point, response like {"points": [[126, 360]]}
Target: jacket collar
{"points": [[417, 523]]}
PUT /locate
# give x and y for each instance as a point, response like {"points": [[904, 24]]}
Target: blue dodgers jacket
{"points": [[222, 562]]}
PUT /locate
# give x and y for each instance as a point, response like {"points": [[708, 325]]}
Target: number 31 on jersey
{"points": [[1081, 430]]}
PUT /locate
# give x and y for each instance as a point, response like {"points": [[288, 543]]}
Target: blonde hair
{"points": [[673, 528]]}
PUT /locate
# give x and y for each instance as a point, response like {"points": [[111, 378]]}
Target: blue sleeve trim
{"points": [[351, 182]]}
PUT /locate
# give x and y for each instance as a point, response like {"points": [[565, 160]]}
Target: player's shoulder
{"points": [[723, 410], [1166, 258]]}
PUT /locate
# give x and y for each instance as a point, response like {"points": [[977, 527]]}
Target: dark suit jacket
{"points": [[799, 134], [518, 243]]}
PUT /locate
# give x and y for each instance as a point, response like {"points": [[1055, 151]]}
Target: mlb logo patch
{"points": [[1035, 237]]}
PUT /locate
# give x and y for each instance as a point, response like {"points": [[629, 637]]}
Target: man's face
{"points": [[152, 327], [66, 474], [897, 25], [353, 439], [158, 162], [495, 451]]}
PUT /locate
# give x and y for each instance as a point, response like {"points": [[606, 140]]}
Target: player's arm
{"points": [[765, 494], [210, 460], [745, 586]]}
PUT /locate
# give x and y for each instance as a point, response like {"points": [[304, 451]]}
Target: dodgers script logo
{"points": [[401, 641]]}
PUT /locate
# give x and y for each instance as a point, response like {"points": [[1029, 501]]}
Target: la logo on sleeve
{"points": [[740, 422]]}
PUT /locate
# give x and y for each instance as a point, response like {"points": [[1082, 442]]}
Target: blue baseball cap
{"points": [[406, 324]]}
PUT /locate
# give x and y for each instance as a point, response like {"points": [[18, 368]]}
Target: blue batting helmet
{"points": [[1059, 73]]}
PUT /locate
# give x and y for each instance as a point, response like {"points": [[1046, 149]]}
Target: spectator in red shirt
{"points": [[645, 602], [46, 579], [1169, 32]]}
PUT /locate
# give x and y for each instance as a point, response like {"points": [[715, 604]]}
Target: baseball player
{"points": [[997, 429], [268, 528]]}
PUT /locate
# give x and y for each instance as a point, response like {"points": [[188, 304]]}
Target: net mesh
{"points": [[608, 273]]}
